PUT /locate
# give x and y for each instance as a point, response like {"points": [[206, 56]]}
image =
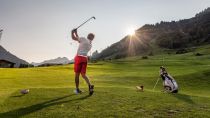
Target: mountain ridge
{"points": [[59, 60], [174, 35]]}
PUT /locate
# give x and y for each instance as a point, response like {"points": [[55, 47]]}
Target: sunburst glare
{"points": [[131, 31]]}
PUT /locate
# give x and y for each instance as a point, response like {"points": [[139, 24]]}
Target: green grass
{"points": [[51, 89]]}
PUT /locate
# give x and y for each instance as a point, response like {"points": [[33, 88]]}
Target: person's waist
{"points": [[82, 55]]}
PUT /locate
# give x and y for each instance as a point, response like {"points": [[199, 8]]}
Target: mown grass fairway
{"points": [[51, 89]]}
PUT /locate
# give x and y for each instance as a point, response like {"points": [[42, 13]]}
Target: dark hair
{"points": [[90, 35]]}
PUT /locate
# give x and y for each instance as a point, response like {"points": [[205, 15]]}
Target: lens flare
{"points": [[131, 31], [135, 44]]}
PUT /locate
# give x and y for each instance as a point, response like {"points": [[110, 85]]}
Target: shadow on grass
{"points": [[17, 96], [30, 109], [184, 97]]}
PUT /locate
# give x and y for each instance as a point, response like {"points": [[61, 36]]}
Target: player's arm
{"points": [[74, 35]]}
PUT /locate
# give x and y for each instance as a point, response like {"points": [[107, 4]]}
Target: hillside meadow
{"points": [[51, 89]]}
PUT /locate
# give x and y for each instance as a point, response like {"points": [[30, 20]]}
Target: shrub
{"points": [[144, 57], [181, 51], [198, 54]]}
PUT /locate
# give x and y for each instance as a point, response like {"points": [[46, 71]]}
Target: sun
{"points": [[131, 31]]}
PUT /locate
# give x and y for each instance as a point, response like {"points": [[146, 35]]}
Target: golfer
{"points": [[80, 60]]}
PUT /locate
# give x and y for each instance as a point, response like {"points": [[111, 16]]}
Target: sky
{"points": [[38, 30]]}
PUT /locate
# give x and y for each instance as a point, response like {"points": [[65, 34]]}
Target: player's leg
{"points": [[83, 73]]}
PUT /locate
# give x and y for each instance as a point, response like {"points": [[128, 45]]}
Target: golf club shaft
{"points": [[84, 22], [156, 83]]}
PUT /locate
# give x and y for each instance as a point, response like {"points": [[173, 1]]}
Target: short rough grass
{"points": [[51, 89]]}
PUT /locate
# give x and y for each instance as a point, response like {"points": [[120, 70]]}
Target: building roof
{"points": [[6, 61], [6, 55]]}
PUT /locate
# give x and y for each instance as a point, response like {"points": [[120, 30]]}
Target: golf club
{"points": [[156, 83], [86, 21]]}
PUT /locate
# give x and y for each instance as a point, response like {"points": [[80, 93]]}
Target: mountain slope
{"points": [[5, 55], [172, 35], [58, 60]]}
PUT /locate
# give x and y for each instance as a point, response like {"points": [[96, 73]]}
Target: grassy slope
{"points": [[51, 89]]}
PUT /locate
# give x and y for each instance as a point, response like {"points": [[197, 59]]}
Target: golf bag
{"points": [[169, 83]]}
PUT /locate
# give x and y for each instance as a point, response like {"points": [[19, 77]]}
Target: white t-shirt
{"points": [[84, 46]]}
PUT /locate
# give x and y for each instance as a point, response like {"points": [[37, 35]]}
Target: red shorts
{"points": [[80, 64]]}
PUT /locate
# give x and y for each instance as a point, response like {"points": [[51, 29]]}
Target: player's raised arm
{"points": [[74, 35]]}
